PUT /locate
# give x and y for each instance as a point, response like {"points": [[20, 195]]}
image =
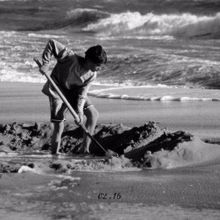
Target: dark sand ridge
{"points": [[134, 143]]}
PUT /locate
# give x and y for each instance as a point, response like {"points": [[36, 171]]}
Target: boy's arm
{"points": [[82, 98], [56, 49], [83, 93]]}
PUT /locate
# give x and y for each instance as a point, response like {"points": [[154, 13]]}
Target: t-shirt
{"points": [[68, 72]]}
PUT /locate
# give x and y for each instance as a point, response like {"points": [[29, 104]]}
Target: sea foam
{"points": [[150, 24], [156, 93]]}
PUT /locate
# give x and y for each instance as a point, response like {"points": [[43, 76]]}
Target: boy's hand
{"points": [[44, 69], [81, 117]]}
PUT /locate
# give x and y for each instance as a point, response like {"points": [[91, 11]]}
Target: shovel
{"points": [[73, 113]]}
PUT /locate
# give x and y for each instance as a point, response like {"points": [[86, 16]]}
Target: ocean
{"points": [[154, 44]]}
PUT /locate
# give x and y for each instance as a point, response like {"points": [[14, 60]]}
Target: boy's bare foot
{"points": [[83, 150], [54, 150]]}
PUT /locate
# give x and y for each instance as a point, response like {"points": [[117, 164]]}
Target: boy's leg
{"points": [[58, 110], [57, 128], [91, 119]]}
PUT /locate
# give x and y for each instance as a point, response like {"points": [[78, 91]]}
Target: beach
{"points": [[188, 191], [158, 101]]}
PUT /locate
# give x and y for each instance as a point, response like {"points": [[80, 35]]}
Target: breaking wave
{"points": [[133, 24], [150, 24], [82, 16]]}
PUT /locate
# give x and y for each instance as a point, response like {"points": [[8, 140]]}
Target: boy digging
{"points": [[73, 75]]}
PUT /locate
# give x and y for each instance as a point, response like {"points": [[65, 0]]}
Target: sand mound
{"points": [[148, 146]]}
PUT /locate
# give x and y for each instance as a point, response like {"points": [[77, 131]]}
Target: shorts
{"points": [[58, 108]]}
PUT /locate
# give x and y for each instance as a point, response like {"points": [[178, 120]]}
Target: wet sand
{"points": [[182, 193], [24, 102], [187, 193]]}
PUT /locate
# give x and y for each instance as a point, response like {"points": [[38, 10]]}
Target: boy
{"points": [[73, 74]]}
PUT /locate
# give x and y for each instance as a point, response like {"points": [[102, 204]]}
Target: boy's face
{"points": [[94, 66]]}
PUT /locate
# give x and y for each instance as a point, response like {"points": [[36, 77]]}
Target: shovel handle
{"points": [[38, 62]]}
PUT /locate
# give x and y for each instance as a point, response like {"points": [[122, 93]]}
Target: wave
{"points": [[165, 98], [154, 67], [159, 76], [81, 16], [52, 14], [122, 24], [74, 18], [161, 93], [150, 24], [45, 19], [134, 70]]}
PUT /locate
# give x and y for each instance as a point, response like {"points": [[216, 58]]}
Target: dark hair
{"points": [[96, 54]]}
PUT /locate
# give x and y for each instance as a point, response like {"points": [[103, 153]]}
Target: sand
{"points": [[181, 182]]}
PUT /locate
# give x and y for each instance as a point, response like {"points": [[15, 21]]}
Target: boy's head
{"points": [[96, 54]]}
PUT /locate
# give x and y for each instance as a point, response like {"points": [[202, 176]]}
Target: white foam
{"points": [[128, 24], [24, 169], [16, 76], [49, 36], [7, 33], [112, 93]]}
